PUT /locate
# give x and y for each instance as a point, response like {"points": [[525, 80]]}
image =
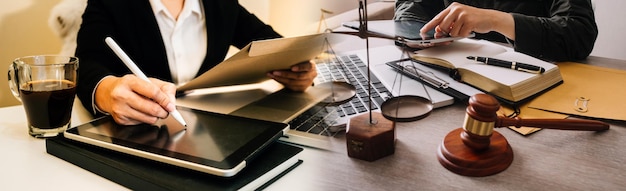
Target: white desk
{"points": [[26, 165]]}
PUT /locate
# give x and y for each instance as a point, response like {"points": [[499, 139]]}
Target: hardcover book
{"points": [[508, 85], [142, 174]]}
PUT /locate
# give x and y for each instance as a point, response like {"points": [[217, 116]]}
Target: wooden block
{"points": [[370, 141]]}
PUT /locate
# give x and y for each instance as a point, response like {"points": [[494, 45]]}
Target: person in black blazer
{"points": [[106, 85], [553, 30]]}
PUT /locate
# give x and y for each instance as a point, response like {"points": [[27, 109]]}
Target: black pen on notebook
{"points": [[133, 68], [508, 64]]}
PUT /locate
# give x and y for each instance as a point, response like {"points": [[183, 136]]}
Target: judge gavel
{"points": [[481, 118], [477, 150]]}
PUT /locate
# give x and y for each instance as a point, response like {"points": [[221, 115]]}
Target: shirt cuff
{"points": [[97, 110]]}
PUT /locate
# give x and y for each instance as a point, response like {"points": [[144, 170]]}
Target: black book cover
{"points": [[142, 174]]}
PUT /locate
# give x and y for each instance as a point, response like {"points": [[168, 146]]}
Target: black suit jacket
{"points": [[131, 23], [555, 30]]}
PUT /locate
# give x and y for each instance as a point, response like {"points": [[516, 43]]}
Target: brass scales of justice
{"points": [[371, 136], [473, 150]]}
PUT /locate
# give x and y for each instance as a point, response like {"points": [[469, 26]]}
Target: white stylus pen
{"points": [[133, 67]]}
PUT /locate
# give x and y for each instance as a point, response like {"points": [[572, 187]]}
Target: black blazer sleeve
{"points": [[567, 33], [131, 23]]}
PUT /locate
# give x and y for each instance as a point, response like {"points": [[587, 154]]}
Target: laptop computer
{"points": [[314, 123]]}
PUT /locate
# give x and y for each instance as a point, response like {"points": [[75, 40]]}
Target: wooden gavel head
{"points": [[477, 150], [480, 120]]}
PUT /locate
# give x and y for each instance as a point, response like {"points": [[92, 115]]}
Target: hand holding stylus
{"points": [[159, 97]]}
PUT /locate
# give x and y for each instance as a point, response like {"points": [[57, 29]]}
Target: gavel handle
{"points": [[563, 124]]}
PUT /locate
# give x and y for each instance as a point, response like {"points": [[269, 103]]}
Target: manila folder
{"points": [[251, 64], [587, 90]]}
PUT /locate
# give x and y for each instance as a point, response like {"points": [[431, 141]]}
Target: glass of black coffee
{"points": [[46, 86]]}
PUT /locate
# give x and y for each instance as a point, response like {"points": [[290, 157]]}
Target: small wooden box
{"points": [[370, 141]]}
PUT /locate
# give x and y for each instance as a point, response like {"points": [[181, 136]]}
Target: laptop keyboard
{"points": [[328, 119]]}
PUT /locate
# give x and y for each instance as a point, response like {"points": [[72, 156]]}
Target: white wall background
{"points": [[611, 42]]}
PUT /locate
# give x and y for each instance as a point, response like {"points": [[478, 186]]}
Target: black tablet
{"points": [[406, 31], [409, 30], [213, 143]]}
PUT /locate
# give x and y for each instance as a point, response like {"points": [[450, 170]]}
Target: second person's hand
{"points": [[298, 78], [461, 20]]}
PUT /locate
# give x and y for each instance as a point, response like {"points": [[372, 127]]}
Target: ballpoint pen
{"points": [[133, 67], [508, 64]]}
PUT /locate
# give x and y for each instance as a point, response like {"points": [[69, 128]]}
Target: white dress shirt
{"points": [[185, 39]]}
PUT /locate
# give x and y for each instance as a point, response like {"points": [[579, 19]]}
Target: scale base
{"points": [[454, 155], [370, 141]]}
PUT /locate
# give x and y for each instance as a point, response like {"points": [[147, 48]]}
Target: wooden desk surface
{"points": [[545, 160]]}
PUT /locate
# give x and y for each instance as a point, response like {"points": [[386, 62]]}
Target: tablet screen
{"points": [[409, 30], [211, 139]]}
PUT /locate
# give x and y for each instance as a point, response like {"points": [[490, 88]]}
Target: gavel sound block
{"points": [[477, 150]]}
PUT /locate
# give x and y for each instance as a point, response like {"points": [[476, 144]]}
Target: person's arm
{"points": [[568, 34], [92, 54], [561, 30], [101, 87], [461, 20]]}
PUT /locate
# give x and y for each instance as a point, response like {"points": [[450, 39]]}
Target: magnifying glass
{"points": [[341, 92], [406, 108]]}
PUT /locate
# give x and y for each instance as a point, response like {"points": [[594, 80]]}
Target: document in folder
{"points": [[251, 63], [589, 91]]}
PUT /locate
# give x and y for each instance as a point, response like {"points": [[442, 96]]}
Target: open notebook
{"points": [[508, 85]]}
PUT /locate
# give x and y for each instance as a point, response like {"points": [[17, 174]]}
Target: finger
{"points": [[465, 31], [450, 20], [168, 88], [456, 27], [309, 75], [303, 66], [282, 76], [126, 115], [154, 93], [146, 107], [127, 97], [293, 84], [124, 120], [435, 21]]}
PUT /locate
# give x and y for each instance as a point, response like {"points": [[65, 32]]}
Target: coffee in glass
{"points": [[46, 86]]}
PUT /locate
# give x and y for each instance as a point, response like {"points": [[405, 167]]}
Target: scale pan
{"points": [[341, 92], [406, 108]]}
